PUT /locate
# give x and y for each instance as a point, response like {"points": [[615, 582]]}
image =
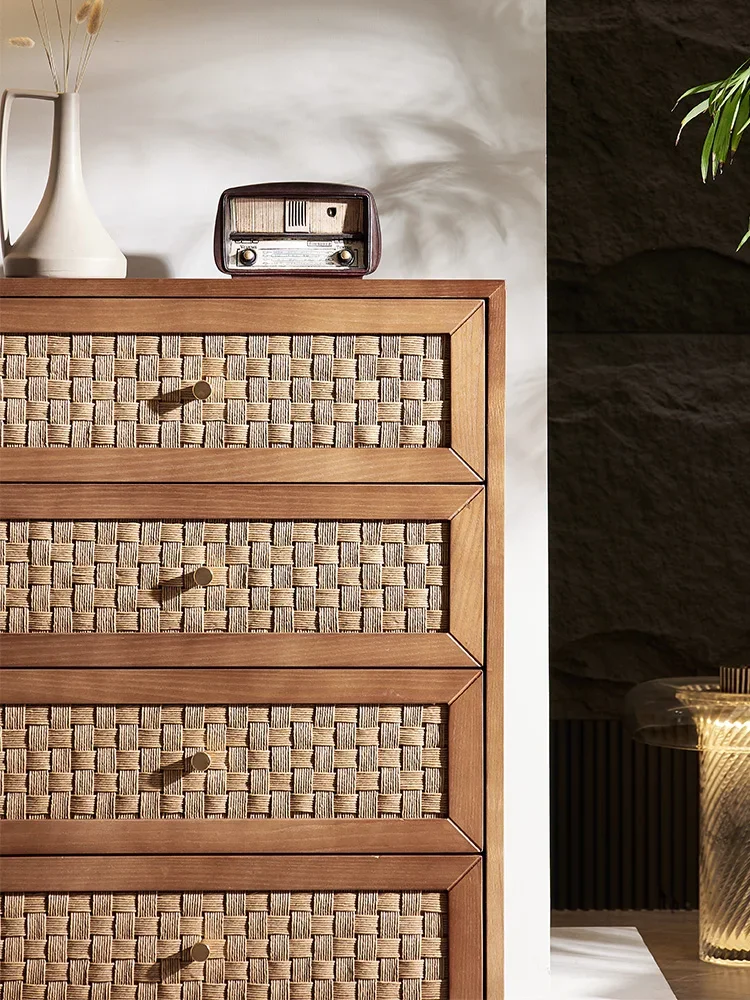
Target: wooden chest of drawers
{"points": [[251, 636]]}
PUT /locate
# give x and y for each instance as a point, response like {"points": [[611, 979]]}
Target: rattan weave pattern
{"points": [[262, 946], [266, 762], [300, 391], [280, 576]]}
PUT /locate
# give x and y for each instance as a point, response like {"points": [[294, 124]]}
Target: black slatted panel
{"points": [[624, 821]]}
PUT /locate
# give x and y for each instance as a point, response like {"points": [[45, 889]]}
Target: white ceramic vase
{"points": [[64, 239]]}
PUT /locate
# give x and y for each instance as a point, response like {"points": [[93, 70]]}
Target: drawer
{"points": [[401, 928], [183, 760], [99, 578], [350, 390]]}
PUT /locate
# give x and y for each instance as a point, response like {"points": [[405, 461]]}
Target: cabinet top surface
{"points": [[245, 288]]}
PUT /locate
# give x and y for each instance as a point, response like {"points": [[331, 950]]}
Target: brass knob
{"points": [[200, 761], [202, 390], [200, 952], [203, 576], [345, 257]]}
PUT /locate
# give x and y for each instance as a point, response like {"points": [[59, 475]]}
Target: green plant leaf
{"points": [[726, 92], [706, 153], [724, 120], [699, 109], [728, 106], [741, 120], [744, 239], [704, 88]]}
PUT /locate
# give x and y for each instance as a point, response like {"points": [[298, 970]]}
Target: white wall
{"points": [[438, 106]]}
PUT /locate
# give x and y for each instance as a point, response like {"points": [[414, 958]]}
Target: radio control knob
{"points": [[247, 256], [345, 257]]}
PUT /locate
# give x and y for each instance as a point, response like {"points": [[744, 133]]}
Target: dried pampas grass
{"points": [[82, 14], [95, 17], [58, 31]]}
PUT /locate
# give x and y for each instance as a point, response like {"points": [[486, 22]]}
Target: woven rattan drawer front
{"points": [[298, 391], [224, 762], [280, 945], [265, 576], [264, 761]]}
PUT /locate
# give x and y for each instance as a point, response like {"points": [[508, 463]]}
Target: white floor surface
{"points": [[604, 963]]}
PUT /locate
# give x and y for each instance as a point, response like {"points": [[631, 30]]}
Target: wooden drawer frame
{"points": [[463, 320], [473, 314], [460, 831], [462, 645], [459, 876]]}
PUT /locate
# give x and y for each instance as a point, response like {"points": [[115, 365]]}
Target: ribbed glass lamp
{"points": [[713, 717]]}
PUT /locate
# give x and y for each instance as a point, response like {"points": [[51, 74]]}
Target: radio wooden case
{"points": [[285, 229]]}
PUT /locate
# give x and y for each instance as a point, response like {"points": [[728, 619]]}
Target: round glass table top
{"points": [[689, 713]]}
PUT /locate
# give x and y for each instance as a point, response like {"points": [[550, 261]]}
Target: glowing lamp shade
{"points": [[696, 714]]}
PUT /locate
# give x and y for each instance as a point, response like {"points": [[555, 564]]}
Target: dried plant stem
{"points": [[49, 42], [92, 14], [46, 41], [89, 48], [69, 49], [79, 69], [64, 54], [60, 28], [91, 41]]}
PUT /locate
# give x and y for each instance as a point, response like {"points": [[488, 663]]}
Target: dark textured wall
{"points": [[636, 241], [649, 353], [650, 511], [649, 399]]}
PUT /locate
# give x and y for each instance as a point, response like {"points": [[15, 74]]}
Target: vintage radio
{"points": [[323, 230]]}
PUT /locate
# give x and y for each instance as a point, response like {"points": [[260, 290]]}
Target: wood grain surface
{"points": [[466, 762], [31, 500], [226, 315], [494, 666], [231, 836], [209, 650], [226, 873], [468, 380], [275, 288], [466, 937], [466, 568], [219, 686], [234, 465]]}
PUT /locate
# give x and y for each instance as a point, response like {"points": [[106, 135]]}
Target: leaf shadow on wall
{"points": [[437, 108], [485, 172], [444, 199]]}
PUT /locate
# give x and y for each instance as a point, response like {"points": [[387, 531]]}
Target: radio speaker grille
{"points": [[295, 215]]}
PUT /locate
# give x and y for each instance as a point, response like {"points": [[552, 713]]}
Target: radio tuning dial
{"points": [[345, 257], [247, 256]]}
